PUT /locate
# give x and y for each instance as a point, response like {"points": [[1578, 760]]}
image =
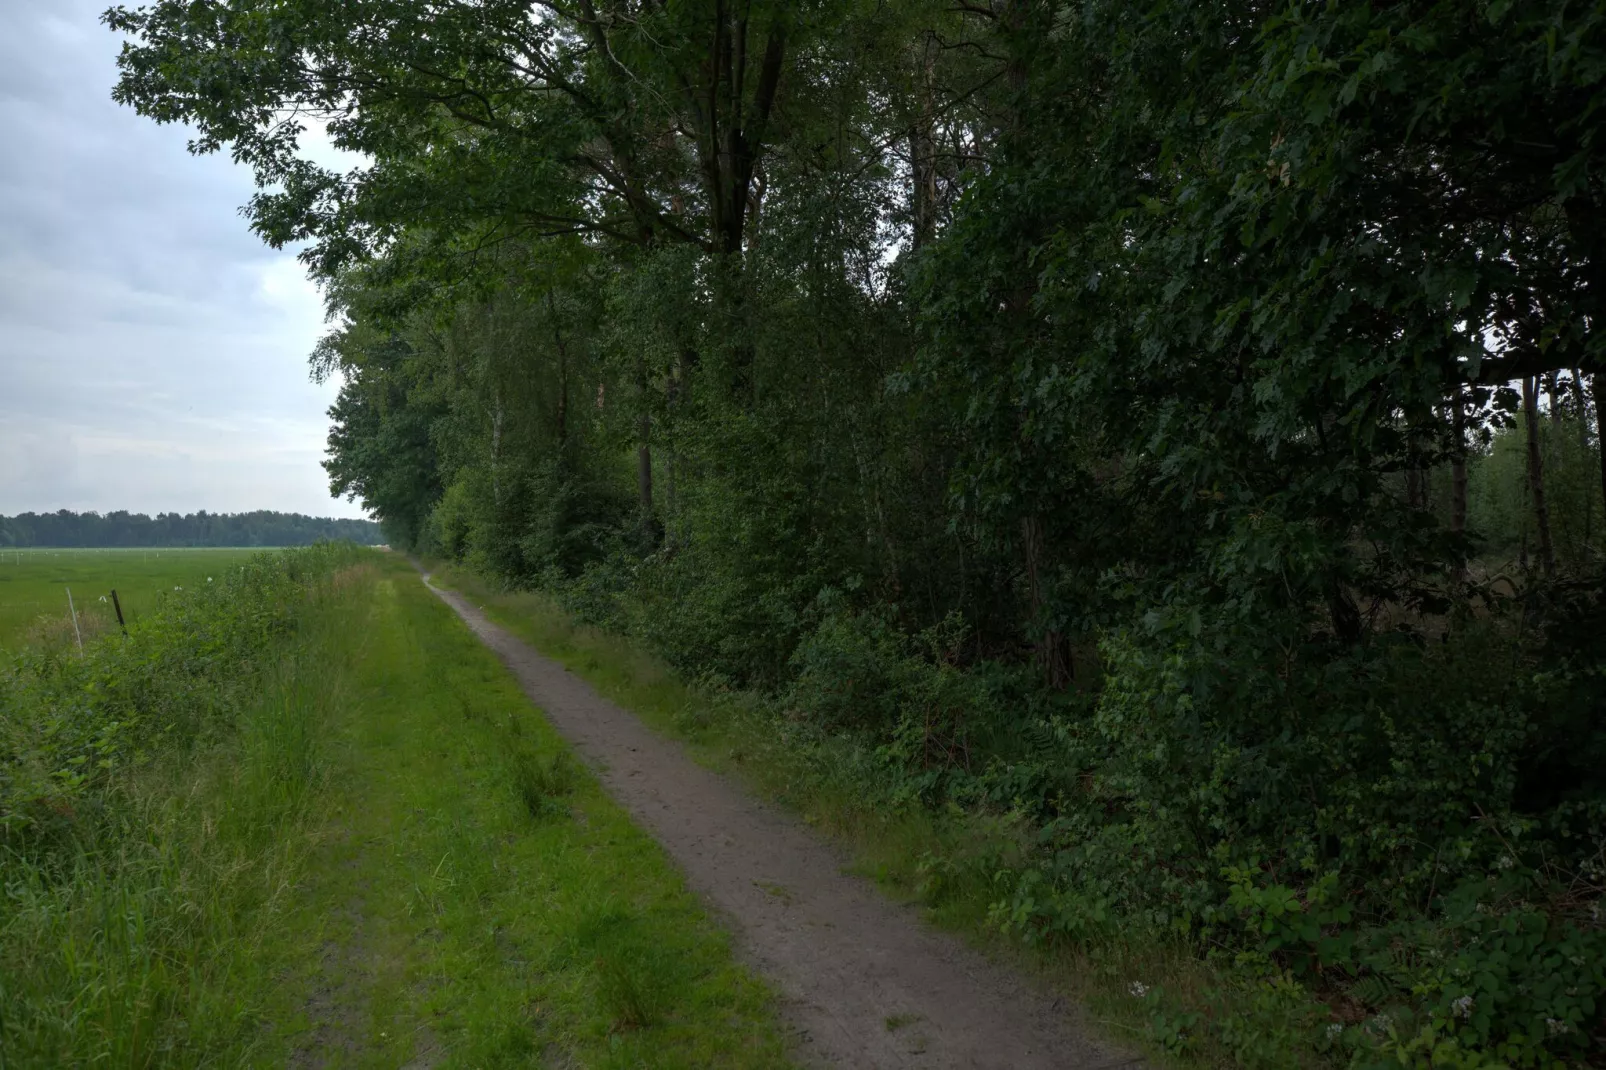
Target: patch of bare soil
{"points": [[335, 1007], [864, 982]]}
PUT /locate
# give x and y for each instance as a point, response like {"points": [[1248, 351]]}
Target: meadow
{"points": [[302, 816], [34, 585]]}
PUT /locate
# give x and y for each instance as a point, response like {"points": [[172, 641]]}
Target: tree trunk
{"points": [[644, 467], [1347, 623], [1459, 466], [496, 448], [1053, 652], [1581, 400], [1015, 18], [922, 145], [1536, 476], [732, 138], [1413, 488], [561, 416], [1599, 390], [649, 536], [673, 536]]}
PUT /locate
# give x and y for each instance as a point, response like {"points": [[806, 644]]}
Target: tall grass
{"points": [[149, 795]]}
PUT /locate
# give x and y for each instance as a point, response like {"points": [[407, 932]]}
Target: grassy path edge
{"points": [[1129, 990], [866, 983]]}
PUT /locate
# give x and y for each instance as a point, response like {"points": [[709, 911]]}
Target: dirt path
{"points": [[865, 983]]}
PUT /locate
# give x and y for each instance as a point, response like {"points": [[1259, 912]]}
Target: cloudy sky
{"points": [[152, 350]]}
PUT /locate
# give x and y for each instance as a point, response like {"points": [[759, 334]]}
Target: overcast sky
{"points": [[153, 352]]}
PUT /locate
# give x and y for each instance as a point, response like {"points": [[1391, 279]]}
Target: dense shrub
{"points": [[150, 791], [71, 722]]}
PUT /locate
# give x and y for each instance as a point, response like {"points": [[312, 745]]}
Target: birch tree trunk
{"points": [[1599, 392], [1536, 476]]}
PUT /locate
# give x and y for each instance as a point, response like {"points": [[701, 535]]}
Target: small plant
{"points": [[627, 992], [542, 783], [1169, 1024]]}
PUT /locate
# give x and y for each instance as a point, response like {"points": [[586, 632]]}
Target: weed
{"points": [[145, 866], [543, 783], [626, 991], [775, 891]]}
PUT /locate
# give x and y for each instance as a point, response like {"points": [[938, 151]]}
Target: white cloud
{"points": [[152, 350]]}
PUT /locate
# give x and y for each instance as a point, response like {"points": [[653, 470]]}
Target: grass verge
{"points": [[140, 906], [389, 860]]}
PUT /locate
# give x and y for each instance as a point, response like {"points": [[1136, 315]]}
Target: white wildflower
{"points": [[1504, 862], [1557, 1027], [1139, 989], [1335, 1031], [1462, 1008]]}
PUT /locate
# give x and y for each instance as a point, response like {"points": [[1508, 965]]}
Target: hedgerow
{"points": [[74, 721]]}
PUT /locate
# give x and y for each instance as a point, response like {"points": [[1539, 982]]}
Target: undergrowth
{"points": [[146, 787], [1030, 844]]}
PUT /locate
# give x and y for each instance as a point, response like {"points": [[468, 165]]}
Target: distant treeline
{"points": [[261, 528]]}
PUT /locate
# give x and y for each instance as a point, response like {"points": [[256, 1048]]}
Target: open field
{"points": [[34, 583], [359, 846]]}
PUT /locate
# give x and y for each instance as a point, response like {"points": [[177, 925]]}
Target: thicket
{"points": [[119, 528], [145, 784], [1176, 426]]}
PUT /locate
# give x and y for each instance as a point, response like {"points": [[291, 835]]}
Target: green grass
{"points": [[943, 861], [34, 583], [394, 859]]}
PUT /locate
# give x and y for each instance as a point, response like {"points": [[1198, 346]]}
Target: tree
{"points": [[1116, 413]]}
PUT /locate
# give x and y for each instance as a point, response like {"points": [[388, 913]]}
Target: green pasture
{"points": [[348, 842], [34, 584]]}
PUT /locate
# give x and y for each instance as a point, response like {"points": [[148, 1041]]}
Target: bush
{"points": [[178, 678], [1357, 821], [145, 787]]}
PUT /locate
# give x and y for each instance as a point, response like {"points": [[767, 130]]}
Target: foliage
{"points": [[303, 822], [1118, 419], [118, 529], [177, 679], [146, 786]]}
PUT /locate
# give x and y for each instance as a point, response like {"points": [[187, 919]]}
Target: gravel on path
{"points": [[864, 982]]}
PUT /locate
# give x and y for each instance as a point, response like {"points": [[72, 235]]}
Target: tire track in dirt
{"points": [[864, 982]]}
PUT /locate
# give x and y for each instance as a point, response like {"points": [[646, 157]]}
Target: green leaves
{"points": [[1138, 358], [474, 118], [74, 722]]}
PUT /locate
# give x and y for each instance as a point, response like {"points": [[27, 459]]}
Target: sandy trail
{"points": [[864, 982]]}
